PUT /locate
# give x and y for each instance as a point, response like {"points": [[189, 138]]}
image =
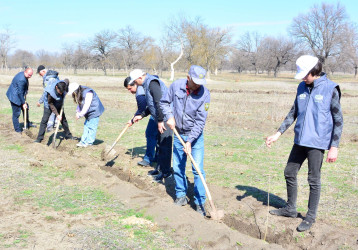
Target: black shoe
{"points": [[31, 125], [305, 225], [143, 163], [70, 137], [284, 211], [181, 201], [37, 141], [153, 172], [201, 210], [161, 176]]}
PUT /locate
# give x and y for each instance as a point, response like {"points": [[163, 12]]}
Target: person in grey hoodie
{"points": [[49, 77]]}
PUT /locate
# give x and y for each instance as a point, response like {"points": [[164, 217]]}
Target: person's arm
{"points": [[290, 118], [41, 100], [51, 105], [337, 116], [20, 86], [141, 104], [86, 105], [156, 92], [165, 102], [200, 120]]}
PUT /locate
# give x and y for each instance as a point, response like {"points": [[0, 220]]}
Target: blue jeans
{"points": [[179, 162], [89, 131], [151, 134]]}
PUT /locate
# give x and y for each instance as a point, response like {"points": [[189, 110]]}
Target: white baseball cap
{"points": [[72, 88], [134, 75], [304, 65]]}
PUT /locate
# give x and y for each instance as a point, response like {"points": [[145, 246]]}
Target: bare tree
{"points": [[101, 47], [321, 29], [349, 48], [67, 55], [45, 58], [133, 45], [21, 59], [7, 42], [249, 44]]}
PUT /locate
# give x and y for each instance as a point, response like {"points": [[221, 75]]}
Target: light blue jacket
{"points": [[96, 108], [314, 123], [50, 77], [189, 111]]}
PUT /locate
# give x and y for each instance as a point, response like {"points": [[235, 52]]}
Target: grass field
{"points": [[244, 110]]}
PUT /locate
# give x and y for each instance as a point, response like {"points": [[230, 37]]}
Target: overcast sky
{"points": [[49, 24]]}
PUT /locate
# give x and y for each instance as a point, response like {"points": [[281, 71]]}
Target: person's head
{"points": [[130, 88], [137, 76], [309, 68], [75, 90], [61, 87], [41, 70], [28, 72], [196, 77]]}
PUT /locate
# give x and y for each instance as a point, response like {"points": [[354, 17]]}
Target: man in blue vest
{"points": [[152, 128], [16, 94], [155, 89], [49, 77], [318, 128], [186, 106]]}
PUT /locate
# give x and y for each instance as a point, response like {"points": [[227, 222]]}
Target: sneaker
{"points": [[153, 172], [37, 141], [284, 211], [305, 225], [143, 163], [161, 176], [81, 145], [181, 201], [201, 210]]}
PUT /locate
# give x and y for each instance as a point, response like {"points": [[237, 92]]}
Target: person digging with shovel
{"points": [[319, 124], [89, 106], [53, 102], [186, 106]]}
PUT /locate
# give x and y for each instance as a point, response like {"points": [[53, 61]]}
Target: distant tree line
{"points": [[325, 31]]}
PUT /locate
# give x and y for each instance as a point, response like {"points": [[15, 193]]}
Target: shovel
{"points": [[56, 130], [215, 214], [106, 152]]}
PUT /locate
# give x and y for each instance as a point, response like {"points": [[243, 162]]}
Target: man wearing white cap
{"points": [[318, 128], [155, 89], [186, 106]]}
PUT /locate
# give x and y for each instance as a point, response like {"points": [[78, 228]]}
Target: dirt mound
{"points": [[245, 222]]}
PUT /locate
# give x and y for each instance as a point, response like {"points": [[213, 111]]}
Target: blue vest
{"points": [[50, 76], [314, 123], [140, 91], [96, 108], [51, 89], [149, 97]]}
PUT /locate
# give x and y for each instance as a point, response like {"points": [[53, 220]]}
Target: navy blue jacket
{"points": [[18, 89], [314, 123]]}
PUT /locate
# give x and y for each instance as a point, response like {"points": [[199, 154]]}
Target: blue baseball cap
{"points": [[197, 74]]}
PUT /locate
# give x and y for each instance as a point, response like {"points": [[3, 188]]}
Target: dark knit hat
{"points": [[39, 68]]}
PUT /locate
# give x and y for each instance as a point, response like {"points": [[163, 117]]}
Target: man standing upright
{"points": [[49, 77], [318, 128], [186, 106], [17, 94], [151, 132], [154, 90]]}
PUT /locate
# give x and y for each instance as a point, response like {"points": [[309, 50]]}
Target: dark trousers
{"points": [[297, 157], [164, 146], [43, 125], [16, 111]]}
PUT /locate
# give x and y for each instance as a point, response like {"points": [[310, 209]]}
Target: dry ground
{"points": [[240, 170]]}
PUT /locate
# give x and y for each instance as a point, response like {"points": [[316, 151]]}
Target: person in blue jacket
{"points": [[190, 101], [90, 107], [16, 94], [319, 124], [49, 77], [151, 131], [53, 102]]}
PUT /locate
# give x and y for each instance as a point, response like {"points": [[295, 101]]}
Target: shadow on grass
{"points": [[260, 195], [136, 151]]}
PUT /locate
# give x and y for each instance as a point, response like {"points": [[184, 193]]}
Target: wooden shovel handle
{"points": [[197, 170], [57, 126], [119, 137]]}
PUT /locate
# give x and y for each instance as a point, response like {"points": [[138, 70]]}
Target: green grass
{"points": [[16, 147]]}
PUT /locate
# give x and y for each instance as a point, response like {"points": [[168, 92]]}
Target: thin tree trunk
{"points": [[173, 63]]}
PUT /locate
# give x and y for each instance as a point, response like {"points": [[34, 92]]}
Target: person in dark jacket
{"points": [[155, 89], [17, 94], [319, 124], [89, 106], [53, 102], [186, 106], [151, 131], [49, 77]]}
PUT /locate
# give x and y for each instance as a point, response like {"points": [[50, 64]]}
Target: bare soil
{"points": [[244, 225]]}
